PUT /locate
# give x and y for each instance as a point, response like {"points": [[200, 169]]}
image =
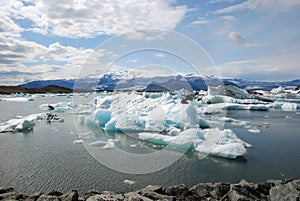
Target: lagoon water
{"points": [[46, 158]]}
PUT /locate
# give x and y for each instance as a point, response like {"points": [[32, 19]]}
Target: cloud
{"points": [[200, 21], [281, 65], [270, 5], [220, 1], [229, 19], [87, 19], [236, 37]]}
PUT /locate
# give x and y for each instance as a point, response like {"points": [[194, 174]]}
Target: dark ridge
{"points": [[46, 89]]}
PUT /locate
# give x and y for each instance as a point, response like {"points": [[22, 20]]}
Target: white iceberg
{"points": [[17, 99], [27, 122], [58, 107], [209, 141]]}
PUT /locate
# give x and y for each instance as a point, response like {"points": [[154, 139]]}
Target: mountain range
{"points": [[118, 81]]}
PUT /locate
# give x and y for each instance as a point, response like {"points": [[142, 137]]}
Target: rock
{"points": [[155, 188], [240, 192], [264, 188], [70, 196], [134, 196], [55, 193], [106, 196], [12, 196], [6, 190], [287, 191], [156, 196], [177, 190], [34, 197], [202, 190], [44, 197], [220, 189], [90, 193]]}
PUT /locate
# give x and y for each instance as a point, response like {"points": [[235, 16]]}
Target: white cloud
{"points": [[236, 37], [229, 19], [220, 1], [270, 5], [282, 65], [200, 22], [86, 19]]}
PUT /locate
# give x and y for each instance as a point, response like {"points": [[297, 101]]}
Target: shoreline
{"points": [[268, 190]]}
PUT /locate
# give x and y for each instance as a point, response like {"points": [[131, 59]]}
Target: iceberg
{"points": [[58, 107], [25, 123], [140, 112], [17, 99], [209, 141]]}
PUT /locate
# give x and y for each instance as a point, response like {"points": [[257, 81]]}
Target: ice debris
{"points": [[210, 141], [129, 182], [58, 107], [26, 123]]}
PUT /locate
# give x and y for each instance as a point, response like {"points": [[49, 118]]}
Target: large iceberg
{"points": [[143, 112]]}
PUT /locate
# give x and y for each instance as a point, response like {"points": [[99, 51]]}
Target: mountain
{"points": [[43, 83], [46, 89], [121, 81]]}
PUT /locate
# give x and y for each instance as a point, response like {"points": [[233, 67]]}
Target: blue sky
{"points": [[249, 39]]}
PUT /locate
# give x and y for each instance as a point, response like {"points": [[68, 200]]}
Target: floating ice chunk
{"points": [[236, 92], [17, 99], [78, 141], [24, 123], [254, 130], [185, 140], [258, 107], [98, 143], [214, 91], [110, 144], [20, 124], [58, 107], [129, 182], [289, 106], [223, 136], [231, 150], [211, 141], [277, 90]]}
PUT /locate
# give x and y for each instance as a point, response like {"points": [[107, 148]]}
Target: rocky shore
{"points": [[273, 190]]}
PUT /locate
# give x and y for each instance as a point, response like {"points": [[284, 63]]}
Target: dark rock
{"points": [[241, 192], [90, 193], [70, 196], [106, 196], [287, 191], [44, 197], [156, 196], [134, 196], [220, 189], [201, 190], [177, 190], [6, 190], [8, 195], [34, 197], [264, 188], [55, 193], [155, 188]]}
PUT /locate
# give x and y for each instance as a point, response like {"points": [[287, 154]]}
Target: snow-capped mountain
{"points": [[128, 81]]}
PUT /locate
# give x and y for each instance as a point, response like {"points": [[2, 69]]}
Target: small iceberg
{"points": [[27, 122]]}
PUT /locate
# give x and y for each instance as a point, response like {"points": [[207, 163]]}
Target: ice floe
{"points": [[27, 122], [210, 141]]}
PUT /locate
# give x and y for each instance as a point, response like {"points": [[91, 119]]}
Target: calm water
{"points": [[46, 159]]}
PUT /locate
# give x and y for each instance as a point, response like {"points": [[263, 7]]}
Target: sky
{"points": [[54, 39]]}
